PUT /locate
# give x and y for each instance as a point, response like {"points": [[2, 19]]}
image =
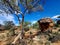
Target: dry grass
{"points": [[37, 40]]}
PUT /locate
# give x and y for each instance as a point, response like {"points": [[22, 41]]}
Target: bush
{"points": [[48, 43], [26, 28], [8, 24], [12, 32], [55, 37]]}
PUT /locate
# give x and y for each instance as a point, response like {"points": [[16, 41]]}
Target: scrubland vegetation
{"points": [[8, 35]]}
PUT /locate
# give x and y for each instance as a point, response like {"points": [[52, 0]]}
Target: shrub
{"points": [[8, 24], [48, 43], [55, 37]]}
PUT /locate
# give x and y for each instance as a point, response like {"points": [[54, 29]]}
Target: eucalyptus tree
{"points": [[14, 7], [8, 24]]}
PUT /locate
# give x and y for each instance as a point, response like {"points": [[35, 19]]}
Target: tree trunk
{"points": [[22, 31]]}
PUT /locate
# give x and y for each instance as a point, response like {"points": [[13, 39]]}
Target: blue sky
{"points": [[51, 9]]}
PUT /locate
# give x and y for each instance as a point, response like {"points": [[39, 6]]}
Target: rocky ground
{"points": [[6, 38]]}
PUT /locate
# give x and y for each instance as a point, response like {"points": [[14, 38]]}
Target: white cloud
{"points": [[33, 22], [1, 22], [20, 19], [5, 17], [55, 17]]}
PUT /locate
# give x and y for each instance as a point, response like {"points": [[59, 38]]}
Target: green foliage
{"points": [[47, 43], [14, 5], [27, 1], [36, 26], [11, 5], [12, 32], [57, 25], [8, 24], [30, 5], [54, 37], [26, 25]]}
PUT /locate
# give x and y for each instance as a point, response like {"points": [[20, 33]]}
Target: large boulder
{"points": [[45, 24]]}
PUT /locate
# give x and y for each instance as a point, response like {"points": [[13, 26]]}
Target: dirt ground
{"points": [[9, 39]]}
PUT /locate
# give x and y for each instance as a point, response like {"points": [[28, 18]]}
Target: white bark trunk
{"points": [[16, 38]]}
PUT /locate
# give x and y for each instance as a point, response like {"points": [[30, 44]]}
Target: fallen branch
{"points": [[27, 35]]}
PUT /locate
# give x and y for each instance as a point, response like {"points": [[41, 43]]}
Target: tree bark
{"points": [[22, 31], [16, 38]]}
